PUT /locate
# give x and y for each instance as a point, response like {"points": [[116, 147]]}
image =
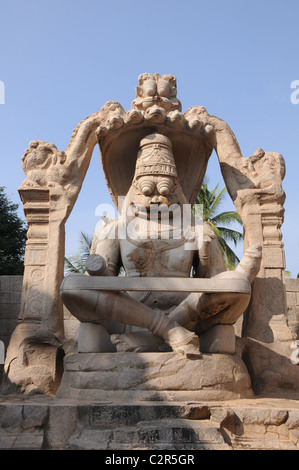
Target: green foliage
{"points": [[220, 222], [12, 237], [76, 263]]}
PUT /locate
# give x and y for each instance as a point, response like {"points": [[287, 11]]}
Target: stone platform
{"points": [[152, 402], [154, 377], [42, 422]]}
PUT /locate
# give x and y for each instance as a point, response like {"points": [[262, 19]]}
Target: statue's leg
{"points": [[219, 309], [199, 312], [93, 306]]}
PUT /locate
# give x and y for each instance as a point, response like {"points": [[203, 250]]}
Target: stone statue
{"points": [[176, 302], [168, 319]]}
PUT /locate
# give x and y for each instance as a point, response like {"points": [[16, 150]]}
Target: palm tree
{"points": [[211, 201], [76, 263]]}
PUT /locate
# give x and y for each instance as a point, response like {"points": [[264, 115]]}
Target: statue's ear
{"points": [[139, 90], [143, 77], [170, 78]]}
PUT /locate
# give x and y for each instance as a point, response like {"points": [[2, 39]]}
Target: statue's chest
{"points": [[156, 258]]}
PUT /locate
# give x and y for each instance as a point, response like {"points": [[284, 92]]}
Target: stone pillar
{"points": [[266, 335], [39, 334], [265, 319], [49, 192], [44, 261]]}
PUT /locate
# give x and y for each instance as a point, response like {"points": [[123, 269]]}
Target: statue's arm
{"points": [[211, 261], [106, 244]]}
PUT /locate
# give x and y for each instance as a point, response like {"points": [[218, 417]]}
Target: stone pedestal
{"points": [[154, 376]]}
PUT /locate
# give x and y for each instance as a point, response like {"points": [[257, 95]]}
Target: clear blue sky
{"points": [[61, 60]]}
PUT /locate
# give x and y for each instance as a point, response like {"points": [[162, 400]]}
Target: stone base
{"points": [[154, 377], [43, 423]]}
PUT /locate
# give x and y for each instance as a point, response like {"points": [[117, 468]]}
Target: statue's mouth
{"points": [[155, 211]]}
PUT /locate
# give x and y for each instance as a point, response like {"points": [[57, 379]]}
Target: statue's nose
{"points": [[155, 200], [159, 200]]}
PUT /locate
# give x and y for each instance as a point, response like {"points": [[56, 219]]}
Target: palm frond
{"points": [[84, 242], [71, 265], [214, 228], [230, 235], [230, 258], [76, 263], [227, 218], [217, 198]]}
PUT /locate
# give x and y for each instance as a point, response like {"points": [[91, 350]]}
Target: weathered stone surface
{"points": [[6, 439], [91, 439], [29, 440], [292, 300], [178, 435], [71, 424], [146, 375], [62, 423], [10, 418], [271, 416]]}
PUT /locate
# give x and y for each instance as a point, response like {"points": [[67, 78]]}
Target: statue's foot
{"points": [[138, 341], [184, 342], [250, 263]]}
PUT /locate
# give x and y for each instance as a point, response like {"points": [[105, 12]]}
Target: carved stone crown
{"points": [[156, 90], [154, 138], [155, 157]]}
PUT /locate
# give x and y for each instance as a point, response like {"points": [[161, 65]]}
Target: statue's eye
{"points": [[164, 186], [173, 188], [147, 187]]}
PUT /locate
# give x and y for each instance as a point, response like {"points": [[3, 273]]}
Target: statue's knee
{"points": [[233, 305], [74, 298], [242, 301]]}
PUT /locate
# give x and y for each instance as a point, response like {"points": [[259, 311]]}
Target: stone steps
{"points": [[51, 423], [164, 434]]}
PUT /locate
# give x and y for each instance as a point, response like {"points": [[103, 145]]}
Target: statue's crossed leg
{"points": [[197, 312], [92, 306]]}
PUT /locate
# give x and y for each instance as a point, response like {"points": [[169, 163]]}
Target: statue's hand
{"points": [[96, 266], [205, 248]]}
